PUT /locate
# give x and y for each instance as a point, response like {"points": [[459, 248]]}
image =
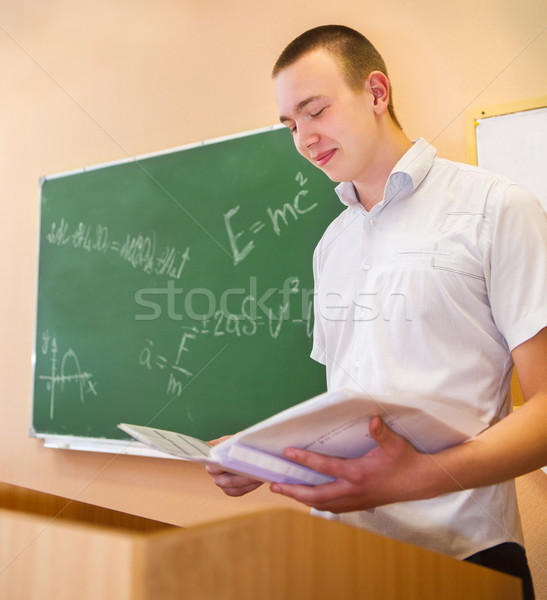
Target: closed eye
{"points": [[292, 126]]}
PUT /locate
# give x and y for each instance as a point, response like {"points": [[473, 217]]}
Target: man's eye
{"points": [[317, 113]]}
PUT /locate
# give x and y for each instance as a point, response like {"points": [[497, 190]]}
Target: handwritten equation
{"points": [[64, 372], [150, 359], [276, 218], [140, 251], [254, 314]]}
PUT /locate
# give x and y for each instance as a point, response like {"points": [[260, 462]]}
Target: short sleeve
{"points": [[517, 275]]}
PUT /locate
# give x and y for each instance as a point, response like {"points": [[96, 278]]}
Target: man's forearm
{"points": [[514, 446]]}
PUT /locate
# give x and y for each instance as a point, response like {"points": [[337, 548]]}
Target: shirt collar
{"points": [[410, 169], [416, 162]]}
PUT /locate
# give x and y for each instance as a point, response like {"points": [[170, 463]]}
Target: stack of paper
{"points": [[334, 423]]}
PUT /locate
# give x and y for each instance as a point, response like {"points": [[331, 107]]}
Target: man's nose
{"points": [[307, 137]]}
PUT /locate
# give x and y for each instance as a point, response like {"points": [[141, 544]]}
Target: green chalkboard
{"points": [[176, 290]]}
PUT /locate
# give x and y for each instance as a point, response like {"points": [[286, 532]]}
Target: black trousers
{"points": [[508, 558]]}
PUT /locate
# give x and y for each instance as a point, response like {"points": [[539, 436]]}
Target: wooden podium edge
{"points": [[285, 554]]}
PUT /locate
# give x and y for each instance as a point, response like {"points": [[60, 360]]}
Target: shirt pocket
{"points": [[454, 248]]}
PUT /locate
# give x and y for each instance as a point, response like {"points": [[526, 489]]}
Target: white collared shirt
{"points": [[425, 295]]}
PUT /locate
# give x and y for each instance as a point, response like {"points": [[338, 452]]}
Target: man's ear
{"points": [[378, 86]]}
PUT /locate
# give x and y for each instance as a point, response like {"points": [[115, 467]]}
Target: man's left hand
{"points": [[391, 472]]}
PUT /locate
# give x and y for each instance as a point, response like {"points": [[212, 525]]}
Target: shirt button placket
{"points": [[369, 224]]}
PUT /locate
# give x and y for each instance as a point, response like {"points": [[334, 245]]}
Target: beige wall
{"points": [[84, 82]]}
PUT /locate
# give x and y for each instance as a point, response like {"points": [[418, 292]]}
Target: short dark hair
{"points": [[354, 53]]}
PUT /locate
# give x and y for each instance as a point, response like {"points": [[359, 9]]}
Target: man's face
{"points": [[333, 126]]}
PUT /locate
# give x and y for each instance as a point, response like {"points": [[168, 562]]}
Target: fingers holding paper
{"points": [[231, 484], [393, 471]]}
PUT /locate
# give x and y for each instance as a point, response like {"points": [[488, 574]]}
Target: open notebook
{"points": [[334, 423]]}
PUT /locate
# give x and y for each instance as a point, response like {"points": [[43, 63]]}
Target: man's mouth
{"points": [[322, 159]]}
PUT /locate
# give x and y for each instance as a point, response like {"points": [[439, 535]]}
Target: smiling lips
{"points": [[322, 159]]}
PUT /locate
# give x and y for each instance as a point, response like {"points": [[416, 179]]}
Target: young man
{"points": [[444, 270]]}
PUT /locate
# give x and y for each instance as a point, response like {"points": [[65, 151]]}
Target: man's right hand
{"points": [[229, 483]]}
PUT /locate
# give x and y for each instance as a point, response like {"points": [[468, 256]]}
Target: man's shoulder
{"points": [[478, 184], [470, 172]]}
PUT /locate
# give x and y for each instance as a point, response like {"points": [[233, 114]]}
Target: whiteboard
{"points": [[515, 146]]}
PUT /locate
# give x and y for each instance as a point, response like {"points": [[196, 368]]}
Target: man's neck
{"points": [[370, 190]]}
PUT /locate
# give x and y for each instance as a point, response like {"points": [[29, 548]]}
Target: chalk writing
{"points": [[69, 372], [238, 311], [139, 250], [84, 236], [241, 314], [277, 217], [150, 359]]}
